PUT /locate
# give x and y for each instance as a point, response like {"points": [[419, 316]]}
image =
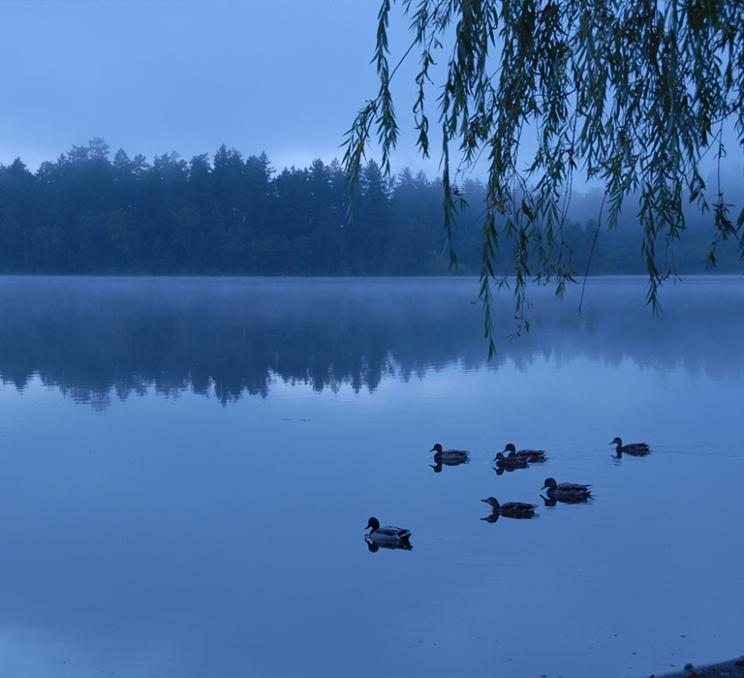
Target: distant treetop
{"points": [[230, 214]]}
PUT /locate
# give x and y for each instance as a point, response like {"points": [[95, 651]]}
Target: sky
{"points": [[281, 76]]}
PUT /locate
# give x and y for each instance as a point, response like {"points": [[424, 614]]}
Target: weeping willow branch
{"points": [[631, 94]]}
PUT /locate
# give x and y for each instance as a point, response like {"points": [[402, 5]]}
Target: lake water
{"points": [[187, 467]]}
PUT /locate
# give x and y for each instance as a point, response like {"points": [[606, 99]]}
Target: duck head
{"points": [[499, 457], [510, 448], [436, 448], [549, 484], [617, 441], [373, 524], [492, 502]]}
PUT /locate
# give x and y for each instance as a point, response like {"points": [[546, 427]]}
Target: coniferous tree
{"points": [[90, 213]]}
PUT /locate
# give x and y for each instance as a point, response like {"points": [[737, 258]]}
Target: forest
{"points": [[89, 212]]}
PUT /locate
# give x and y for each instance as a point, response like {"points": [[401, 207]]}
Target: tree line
{"points": [[91, 213]]}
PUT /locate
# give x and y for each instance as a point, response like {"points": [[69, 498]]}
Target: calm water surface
{"points": [[187, 466]]}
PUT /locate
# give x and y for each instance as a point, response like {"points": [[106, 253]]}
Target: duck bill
{"points": [[432, 449], [544, 487]]}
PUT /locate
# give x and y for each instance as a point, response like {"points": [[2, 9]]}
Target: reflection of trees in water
{"points": [[98, 339]]}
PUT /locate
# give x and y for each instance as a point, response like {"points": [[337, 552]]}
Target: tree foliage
{"points": [[225, 214], [230, 214], [630, 93]]}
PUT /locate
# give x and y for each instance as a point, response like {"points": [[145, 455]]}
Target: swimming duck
{"points": [[509, 463], [387, 536], [449, 457], [530, 456], [567, 492], [636, 449], [512, 509]]}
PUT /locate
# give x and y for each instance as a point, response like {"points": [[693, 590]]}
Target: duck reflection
{"points": [[550, 501], [439, 464], [374, 547], [511, 463]]}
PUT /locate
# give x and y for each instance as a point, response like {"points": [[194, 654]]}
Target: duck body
{"points": [[510, 463], [387, 535], [512, 509], [449, 457], [530, 456], [634, 449], [567, 492]]}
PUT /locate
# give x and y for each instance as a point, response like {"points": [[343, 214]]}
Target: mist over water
{"points": [[102, 338], [187, 466]]}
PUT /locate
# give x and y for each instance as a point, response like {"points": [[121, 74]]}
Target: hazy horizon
{"points": [[154, 77]]}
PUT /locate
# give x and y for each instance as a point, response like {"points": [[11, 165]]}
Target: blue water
{"points": [[187, 466]]}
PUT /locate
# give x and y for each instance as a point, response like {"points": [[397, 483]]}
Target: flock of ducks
{"points": [[509, 459]]}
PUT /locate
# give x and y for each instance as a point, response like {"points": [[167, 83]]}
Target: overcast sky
{"points": [[281, 76], [284, 76]]}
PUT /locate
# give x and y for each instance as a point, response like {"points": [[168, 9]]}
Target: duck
{"points": [[512, 509], [388, 535], [567, 492], [530, 456], [509, 463], [449, 457], [635, 449]]}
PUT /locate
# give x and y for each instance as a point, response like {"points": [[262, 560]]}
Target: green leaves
{"points": [[627, 93]]}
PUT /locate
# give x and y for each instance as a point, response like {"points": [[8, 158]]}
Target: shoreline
{"points": [[729, 669], [708, 275]]}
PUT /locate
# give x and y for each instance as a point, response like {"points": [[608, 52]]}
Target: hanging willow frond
{"points": [[629, 93]]}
